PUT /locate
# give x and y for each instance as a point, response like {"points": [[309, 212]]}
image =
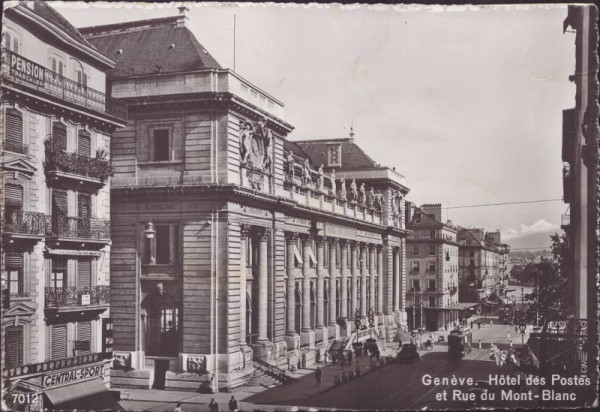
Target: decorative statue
{"points": [[371, 198], [333, 184], [343, 193], [395, 208], [245, 136], [291, 165], [306, 178], [267, 137], [362, 195], [379, 201], [321, 178], [353, 191]]}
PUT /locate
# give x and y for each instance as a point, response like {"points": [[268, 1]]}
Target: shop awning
{"points": [[88, 395]]}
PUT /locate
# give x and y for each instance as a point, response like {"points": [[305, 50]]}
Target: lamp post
{"points": [[357, 325], [414, 308], [422, 311]]}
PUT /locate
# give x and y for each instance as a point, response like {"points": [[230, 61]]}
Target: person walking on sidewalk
{"points": [[318, 376], [213, 406], [178, 407], [233, 404]]}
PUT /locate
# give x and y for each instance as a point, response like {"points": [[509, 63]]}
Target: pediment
{"points": [[20, 167], [18, 311]]}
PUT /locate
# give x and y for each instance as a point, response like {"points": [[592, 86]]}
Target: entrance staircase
{"points": [[267, 375]]}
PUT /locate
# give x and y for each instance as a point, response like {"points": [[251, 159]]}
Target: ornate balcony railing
{"points": [[28, 223], [22, 70], [16, 148], [72, 296], [93, 167], [77, 227]]}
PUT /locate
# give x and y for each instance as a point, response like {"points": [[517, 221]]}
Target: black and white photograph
{"points": [[298, 207]]}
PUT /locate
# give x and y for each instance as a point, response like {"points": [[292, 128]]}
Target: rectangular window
{"points": [[471, 253], [416, 285], [13, 343], [14, 267], [416, 250], [59, 136], [432, 234], [416, 267], [13, 206], [431, 267], [432, 301], [58, 342], [161, 144], [334, 158], [167, 246], [84, 333], [13, 130], [431, 285], [431, 250], [84, 143], [58, 277], [84, 273]]}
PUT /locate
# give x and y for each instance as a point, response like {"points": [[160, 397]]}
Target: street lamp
{"points": [[414, 308], [422, 313]]}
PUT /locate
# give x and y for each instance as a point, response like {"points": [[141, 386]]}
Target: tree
{"points": [[550, 297]]}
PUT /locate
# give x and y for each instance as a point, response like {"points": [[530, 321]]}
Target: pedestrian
{"points": [[178, 407], [516, 328], [213, 406], [233, 404], [325, 357], [508, 335], [318, 376], [400, 344], [479, 325], [349, 357], [479, 343], [491, 323]]}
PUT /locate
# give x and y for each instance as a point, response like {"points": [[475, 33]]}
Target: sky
{"points": [[465, 102]]}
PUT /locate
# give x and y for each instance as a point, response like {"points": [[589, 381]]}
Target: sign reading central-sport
{"points": [[72, 375]]}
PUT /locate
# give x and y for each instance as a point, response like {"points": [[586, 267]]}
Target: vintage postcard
{"points": [[282, 207]]}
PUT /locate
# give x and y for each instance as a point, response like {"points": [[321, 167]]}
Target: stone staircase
{"points": [[267, 375]]}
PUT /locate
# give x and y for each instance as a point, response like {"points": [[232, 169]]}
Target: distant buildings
{"points": [[57, 121]]}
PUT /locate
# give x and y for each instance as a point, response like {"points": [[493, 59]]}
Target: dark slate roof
{"points": [[296, 150], [469, 238], [147, 47], [353, 157], [44, 10]]}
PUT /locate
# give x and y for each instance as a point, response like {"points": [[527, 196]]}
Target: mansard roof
{"points": [[353, 157], [44, 10], [151, 46]]}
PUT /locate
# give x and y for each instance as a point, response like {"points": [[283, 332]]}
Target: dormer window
{"points": [[334, 156]]}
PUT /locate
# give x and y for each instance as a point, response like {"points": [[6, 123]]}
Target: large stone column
{"points": [[243, 274], [380, 281], [363, 281], [333, 326], [320, 328], [344, 288], [307, 335], [397, 281], [263, 285], [355, 304], [291, 338], [373, 282]]}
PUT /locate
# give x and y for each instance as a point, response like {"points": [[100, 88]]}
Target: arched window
{"points": [[13, 129], [162, 327]]}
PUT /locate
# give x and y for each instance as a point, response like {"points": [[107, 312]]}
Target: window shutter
{"points": [[54, 65], [14, 127], [84, 273], [16, 45], [13, 195], [84, 143], [84, 206], [58, 342], [60, 68], [59, 135], [7, 40], [60, 204], [14, 346], [84, 332]]}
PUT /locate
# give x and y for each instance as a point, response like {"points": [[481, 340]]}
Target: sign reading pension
{"points": [[26, 70], [72, 375]]}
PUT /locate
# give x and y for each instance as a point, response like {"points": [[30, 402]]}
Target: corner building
{"points": [[231, 245], [57, 121]]}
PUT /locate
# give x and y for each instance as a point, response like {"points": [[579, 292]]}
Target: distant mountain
{"points": [[534, 241]]}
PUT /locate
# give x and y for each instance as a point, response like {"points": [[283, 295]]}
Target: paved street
{"points": [[390, 387]]}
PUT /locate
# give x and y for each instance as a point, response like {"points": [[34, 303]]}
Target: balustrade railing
{"points": [[73, 296], [77, 227], [272, 370], [23, 70], [23, 222], [74, 163]]}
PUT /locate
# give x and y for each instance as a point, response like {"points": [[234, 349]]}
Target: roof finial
{"points": [[352, 130], [183, 17]]}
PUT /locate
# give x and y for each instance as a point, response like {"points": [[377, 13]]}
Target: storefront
{"points": [[66, 384]]}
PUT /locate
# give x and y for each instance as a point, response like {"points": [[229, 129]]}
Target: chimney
{"points": [[434, 209], [182, 18]]}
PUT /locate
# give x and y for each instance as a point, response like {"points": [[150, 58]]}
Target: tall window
{"points": [[167, 245], [431, 267], [58, 342], [84, 273], [416, 267], [13, 129], [416, 250], [14, 269], [59, 136], [84, 333], [13, 344], [162, 336], [432, 301], [84, 143], [416, 285], [13, 206], [58, 66], [161, 144], [431, 285], [432, 234], [432, 250], [58, 277], [10, 40]]}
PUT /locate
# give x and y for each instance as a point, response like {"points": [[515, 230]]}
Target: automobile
{"points": [[408, 353]]}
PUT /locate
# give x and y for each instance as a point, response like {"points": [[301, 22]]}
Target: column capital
{"points": [[244, 231], [379, 248], [306, 238], [264, 233], [333, 240], [371, 246], [291, 236], [344, 242], [319, 240]]}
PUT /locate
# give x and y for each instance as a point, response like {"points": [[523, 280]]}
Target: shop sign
{"points": [[72, 375], [85, 299], [82, 345], [26, 70]]}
